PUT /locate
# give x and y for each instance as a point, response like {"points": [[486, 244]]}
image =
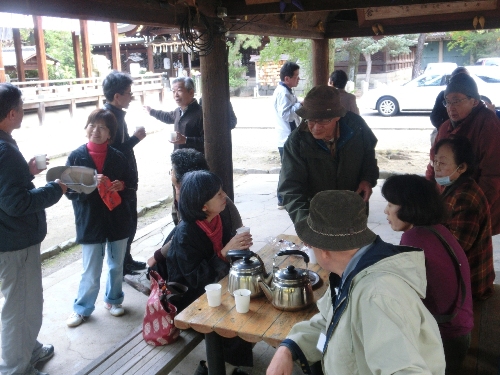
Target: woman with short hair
{"points": [[468, 210], [414, 207]]}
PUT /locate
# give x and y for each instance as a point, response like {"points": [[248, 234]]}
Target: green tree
{"points": [[236, 70], [479, 43]]}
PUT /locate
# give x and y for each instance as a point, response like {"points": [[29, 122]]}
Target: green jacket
{"points": [[308, 166]]}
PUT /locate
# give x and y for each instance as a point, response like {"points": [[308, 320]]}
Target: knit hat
{"points": [[321, 102], [337, 221], [463, 84]]}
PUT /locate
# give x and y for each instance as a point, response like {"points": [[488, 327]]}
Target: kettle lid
{"points": [[291, 273], [247, 263]]}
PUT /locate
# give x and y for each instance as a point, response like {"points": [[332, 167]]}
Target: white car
{"points": [[419, 94]]}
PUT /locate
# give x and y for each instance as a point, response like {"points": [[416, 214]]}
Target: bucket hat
{"points": [[337, 221], [79, 179], [320, 103]]}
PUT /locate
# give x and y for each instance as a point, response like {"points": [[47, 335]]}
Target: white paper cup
{"points": [[137, 128], [41, 161], [242, 299], [310, 252], [173, 136], [243, 230], [214, 294]]}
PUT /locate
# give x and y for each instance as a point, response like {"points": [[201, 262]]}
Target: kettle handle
{"points": [[240, 253], [294, 252]]}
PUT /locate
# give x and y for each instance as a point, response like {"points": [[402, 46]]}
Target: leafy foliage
{"points": [[479, 43], [235, 69]]}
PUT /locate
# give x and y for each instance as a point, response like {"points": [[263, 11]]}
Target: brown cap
{"points": [[320, 103]]}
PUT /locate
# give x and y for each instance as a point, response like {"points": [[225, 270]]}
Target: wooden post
{"points": [[87, 62], [41, 57], [151, 62], [218, 146], [2, 68], [19, 55], [77, 55], [115, 47], [320, 61]]}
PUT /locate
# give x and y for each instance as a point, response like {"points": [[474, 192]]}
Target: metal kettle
{"points": [[247, 269], [291, 288]]}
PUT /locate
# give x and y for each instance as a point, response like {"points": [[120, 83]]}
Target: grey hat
{"points": [[463, 84], [337, 221], [79, 179], [321, 102]]}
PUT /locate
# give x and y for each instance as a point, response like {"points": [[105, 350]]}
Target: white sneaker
{"points": [[115, 310], [75, 320]]}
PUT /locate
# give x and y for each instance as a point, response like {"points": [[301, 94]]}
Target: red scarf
{"points": [[213, 230], [98, 154]]}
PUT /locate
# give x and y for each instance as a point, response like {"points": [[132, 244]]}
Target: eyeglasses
{"points": [[322, 122], [454, 103], [437, 163], [128, 93]]}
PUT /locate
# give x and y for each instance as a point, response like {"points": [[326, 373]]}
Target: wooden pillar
{"points": [[2, 68], [320, 61], [41, 57], [87, 61], [115, 47], [77, 55], [151, 62], [19, 55], [218, 145]]}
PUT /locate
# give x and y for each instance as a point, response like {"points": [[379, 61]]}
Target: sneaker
{"points": [[135, 282], [134, 265], [33, 371], [115, 310], [128, 271], [75, 320], [280, 206], [46, 353]]}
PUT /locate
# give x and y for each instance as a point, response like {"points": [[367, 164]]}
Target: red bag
{"points": [[110, 198], [158, 325]]}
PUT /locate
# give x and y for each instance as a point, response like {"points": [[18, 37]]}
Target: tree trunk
{"points": [[368, 59], [418, 56], [351, 70]]}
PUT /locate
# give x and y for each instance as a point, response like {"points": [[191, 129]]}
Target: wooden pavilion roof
{"points": [[293, 18]]}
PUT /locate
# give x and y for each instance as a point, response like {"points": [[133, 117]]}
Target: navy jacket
{"points": [[22, 215], [95, 223]]}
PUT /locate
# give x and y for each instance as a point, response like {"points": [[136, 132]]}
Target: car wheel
{"points": [[387, 106]]}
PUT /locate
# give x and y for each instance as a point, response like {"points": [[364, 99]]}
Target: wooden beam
{"points": [[2, 68], [115, 47], [19, 55], [151, 63], [87, 61], [41, 57], [320, 61], [77, 56], [218, 146]]}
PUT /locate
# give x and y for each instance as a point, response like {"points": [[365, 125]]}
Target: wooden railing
{"points": [[69, 92]]}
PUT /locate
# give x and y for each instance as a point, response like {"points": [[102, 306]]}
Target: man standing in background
{"points": [[285, 104]]}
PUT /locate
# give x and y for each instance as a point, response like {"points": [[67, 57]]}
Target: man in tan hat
{"points": [[371, 320], [333, 149]]}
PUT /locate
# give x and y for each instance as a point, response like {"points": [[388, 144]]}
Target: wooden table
{"points": [[262, 323]]}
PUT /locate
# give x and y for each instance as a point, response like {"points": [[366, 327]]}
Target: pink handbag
{"points": [[158, 325]]}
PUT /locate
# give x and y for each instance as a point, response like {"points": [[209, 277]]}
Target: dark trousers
{"points": [[455, 351], [280, 198], [132, 202]]}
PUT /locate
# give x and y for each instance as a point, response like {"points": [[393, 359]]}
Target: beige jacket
{"points": [[348, 101]]}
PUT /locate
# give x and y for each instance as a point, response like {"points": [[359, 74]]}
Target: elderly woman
{"points": [[414, 207], [100, 227], [470, 118], [469, 214]]}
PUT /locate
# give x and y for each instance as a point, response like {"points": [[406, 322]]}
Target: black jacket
{"points": [[22, 206], [191, 259], [190, 124], [125, 143], [94, 221]]}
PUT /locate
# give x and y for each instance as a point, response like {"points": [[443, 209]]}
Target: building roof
{"points": [[9, 55]]}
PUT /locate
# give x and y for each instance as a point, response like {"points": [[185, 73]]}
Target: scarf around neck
{"points": [[213, 230]]}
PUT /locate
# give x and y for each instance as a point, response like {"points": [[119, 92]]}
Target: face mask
{"points": [[445, 181]]}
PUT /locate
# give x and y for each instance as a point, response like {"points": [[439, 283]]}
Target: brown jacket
{"points": [[348, 101]]}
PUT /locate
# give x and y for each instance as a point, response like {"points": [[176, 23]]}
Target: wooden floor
{"points": [[483, 357]]}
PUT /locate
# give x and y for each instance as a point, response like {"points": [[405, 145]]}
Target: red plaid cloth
{"points": [[469, 222]]}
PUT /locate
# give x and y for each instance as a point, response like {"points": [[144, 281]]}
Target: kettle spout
{"points": [[268, 277], [268, 291]]}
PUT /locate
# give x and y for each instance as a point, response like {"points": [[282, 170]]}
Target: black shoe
{"points": [[237, 371], [128, 271], [202, 369], [135, 265]]}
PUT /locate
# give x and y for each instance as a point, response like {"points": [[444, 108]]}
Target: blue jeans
{"points": [[93, 256]]}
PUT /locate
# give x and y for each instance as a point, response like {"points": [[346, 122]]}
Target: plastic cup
{"points": [[41, 161], [137, 128], [243, 230], [312, 256], [173, 136], [214, 294], [242, 299]]}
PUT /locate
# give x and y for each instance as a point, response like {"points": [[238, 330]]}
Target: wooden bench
{"points": [[133, 356], [483, 357]]}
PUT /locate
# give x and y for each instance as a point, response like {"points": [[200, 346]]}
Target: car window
{"points": [[432, 80]]}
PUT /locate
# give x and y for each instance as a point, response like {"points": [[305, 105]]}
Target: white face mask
{"points": [[445, 181]]}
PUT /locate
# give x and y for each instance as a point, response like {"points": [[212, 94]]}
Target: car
{"points": [[488, 73], [443, 67], [492, 61], [419, 94]]}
